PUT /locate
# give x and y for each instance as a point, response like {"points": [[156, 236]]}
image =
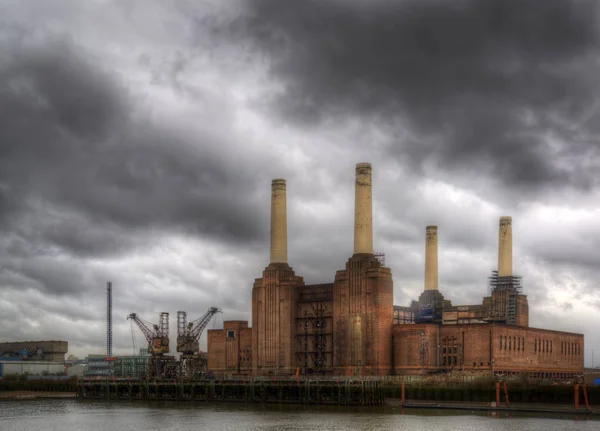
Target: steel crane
{"points": [[157, 335], [188, 334]]}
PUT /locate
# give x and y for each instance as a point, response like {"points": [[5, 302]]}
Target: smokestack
{"points": [[431, 258], [363, 210], [505, 247], [278, 222]]}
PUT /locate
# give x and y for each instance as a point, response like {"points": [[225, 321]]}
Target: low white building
{"points": [[37, 368]]}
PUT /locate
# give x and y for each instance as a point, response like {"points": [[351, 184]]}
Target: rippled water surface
{"points": [[67, 415]]}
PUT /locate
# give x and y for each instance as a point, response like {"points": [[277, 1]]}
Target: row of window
{"points": [[449, 360], [512, 343], [570, 349], [539, 345], [543, 346]]}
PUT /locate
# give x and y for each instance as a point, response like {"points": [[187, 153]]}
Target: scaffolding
{"points": [[380, 256], [314, 326], [504, 292], [403, 315]]}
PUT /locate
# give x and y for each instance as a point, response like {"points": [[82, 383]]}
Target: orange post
{"points": [[506, 395], [585, 397], [576, 396], [403, 399], [497, 394]]}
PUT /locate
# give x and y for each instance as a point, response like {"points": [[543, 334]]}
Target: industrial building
{"points": [[53, 351], [351, 326], [33, 357], [34, 368]]}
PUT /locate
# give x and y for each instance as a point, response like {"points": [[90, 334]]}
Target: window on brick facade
{"points": [[500, 341], [550, 346], [515, 342], [230, 334], [535, 345]]}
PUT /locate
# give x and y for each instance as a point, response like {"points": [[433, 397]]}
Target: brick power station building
{"points": [[351, 326]]}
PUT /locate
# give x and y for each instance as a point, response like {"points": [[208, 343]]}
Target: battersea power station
{"points": [[351, 326]]}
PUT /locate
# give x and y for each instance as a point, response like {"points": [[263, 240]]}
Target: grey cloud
{"points": [[490, 86], [74, 163]]}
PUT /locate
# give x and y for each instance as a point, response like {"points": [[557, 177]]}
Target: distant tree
{"points": [[72, 357]]}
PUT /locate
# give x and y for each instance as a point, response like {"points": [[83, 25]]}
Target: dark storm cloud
{"points": [[79, 173], [501, 88]]}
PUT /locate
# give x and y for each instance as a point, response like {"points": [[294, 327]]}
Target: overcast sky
{"points": [[138, 140]]}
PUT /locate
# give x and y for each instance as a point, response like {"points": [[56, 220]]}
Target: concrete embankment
{"points": [[31, 395]]}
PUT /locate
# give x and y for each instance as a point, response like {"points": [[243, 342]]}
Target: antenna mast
{"points": [[109, 319]]}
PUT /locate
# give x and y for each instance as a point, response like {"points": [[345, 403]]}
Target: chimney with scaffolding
{"points": [[507, 303]]}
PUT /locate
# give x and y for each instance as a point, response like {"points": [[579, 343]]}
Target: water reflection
{"points": [[66, 415]]}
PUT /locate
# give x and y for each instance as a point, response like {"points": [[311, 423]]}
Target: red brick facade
{"points": [[230, 348], [495, 347], [350, 327], [274, 320], [362, 318]]}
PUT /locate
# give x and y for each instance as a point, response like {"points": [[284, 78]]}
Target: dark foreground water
{"points": [[67, 415]]}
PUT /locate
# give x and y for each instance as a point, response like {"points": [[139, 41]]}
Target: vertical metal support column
{"points": [[109, 319]]}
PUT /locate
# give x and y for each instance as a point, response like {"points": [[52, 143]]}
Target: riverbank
{"points": [[33, 395], [564, 409], [482, 406]]}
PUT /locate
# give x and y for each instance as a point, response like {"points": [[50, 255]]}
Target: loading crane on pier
{"points": [[157, 335], [188, 342]]}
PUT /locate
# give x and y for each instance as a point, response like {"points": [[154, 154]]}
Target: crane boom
{"points": [[157, 335], [188, 334]]}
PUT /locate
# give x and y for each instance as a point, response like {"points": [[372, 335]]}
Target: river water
{"points": [[73, 415]]}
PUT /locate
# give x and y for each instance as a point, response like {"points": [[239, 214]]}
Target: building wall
{"points": [[362, 317], [30, 367], [536, 350], [522, 318], [230, 349], [478, 347], [51, 350], [414, 347], [215, 346], [314, 329], [274, 320], [464, 314]]}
